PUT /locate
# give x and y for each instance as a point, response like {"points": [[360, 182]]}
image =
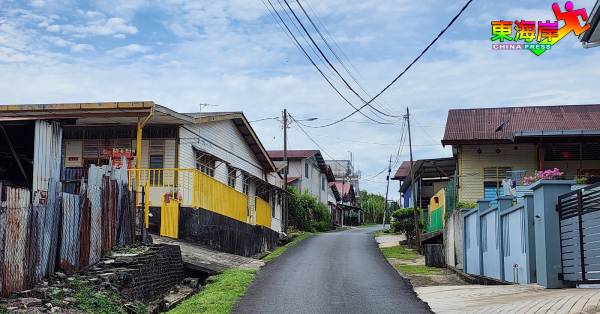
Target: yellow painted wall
{"points": [[220, 198], [441, 197], [471, 165], [263, 213]]}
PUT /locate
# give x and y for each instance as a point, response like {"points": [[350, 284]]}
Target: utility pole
{"points": [[285, 172], [387, 188], [412, 177]]}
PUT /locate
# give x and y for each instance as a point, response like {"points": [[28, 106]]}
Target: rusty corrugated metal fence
{"points": [[55, 228]]}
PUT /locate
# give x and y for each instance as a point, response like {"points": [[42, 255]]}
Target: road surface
{"points": [[337, 272]]}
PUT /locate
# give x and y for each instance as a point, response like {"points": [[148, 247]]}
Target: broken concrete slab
{"points": [[201, 258]]}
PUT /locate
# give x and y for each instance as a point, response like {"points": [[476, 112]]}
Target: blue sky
{"points": [[232, 54]]}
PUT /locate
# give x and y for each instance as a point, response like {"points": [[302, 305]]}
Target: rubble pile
{"points": [[144, 281]]}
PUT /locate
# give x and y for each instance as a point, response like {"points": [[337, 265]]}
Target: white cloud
{"points": [[53, 28], [82, 48], [111, 26], [126, 51], [38, 3]]}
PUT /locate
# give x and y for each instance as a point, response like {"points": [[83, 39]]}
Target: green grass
{"points": [[399, 252], [280, 250], [220, 295], [417, 269]]}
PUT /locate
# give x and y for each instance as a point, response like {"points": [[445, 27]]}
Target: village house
{"points": [[307, 172], [431, 176], [495, 148], [206, 176]]}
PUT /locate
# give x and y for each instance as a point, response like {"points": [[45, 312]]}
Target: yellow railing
{"points": [[195, 189], [263, 213]]}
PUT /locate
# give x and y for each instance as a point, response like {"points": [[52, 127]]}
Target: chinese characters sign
{"points": [[538, 36]]}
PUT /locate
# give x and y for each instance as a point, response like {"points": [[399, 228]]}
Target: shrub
{"points": [[405, 223], [466, 205], [306, 213]]}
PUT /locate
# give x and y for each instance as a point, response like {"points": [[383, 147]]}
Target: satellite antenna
{"points": [[206, 105]]}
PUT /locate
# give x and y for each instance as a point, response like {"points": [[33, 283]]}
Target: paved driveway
{"points": [[337, 272]]}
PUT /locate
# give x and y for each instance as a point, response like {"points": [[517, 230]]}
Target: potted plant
{"points": [[548, 174]]}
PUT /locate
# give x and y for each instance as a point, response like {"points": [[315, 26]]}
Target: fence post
{"points": [[143, 216], [547, 231], [504, 203], [580, 220]]}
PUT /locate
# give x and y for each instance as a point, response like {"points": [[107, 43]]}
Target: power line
{"points": [[341, 61], [327, 59], [305, 53], [404, 71]]}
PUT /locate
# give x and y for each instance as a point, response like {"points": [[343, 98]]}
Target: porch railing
{"points": [[196, 189]]}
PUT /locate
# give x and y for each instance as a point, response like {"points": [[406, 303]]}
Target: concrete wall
{"points": [[471, 165], [453, 240]]}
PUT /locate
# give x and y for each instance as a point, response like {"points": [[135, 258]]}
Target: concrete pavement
{"points": [[509, 299], [337, 272]]}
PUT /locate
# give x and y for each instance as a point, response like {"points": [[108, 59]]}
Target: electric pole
{"points": [[387, 188], [285, 172], [414, 191]]}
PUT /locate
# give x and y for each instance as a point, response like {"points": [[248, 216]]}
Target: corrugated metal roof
{"points": [[500, 124], [403, 171]]}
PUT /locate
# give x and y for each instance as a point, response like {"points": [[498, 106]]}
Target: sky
{"points": [[233, 55]]}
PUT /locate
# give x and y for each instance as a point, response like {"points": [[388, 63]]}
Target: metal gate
{"points": [[579, 214]]}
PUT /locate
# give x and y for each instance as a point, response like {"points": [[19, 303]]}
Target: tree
{"points": [[372, 205]]}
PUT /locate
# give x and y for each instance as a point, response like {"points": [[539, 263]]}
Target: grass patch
{"points": [[220, 295], [417, 269], [399, 252], [280, 250]]}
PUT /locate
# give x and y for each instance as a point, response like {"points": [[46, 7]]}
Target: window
{"points": [[492, 182], [306, 168], [206, 163], [323, 183], [156, 162], [231, 176], [246, 184]]}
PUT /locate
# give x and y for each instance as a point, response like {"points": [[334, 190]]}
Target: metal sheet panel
{"points": [[46, 155], [70, 233], [94, 194], [15, 261]]}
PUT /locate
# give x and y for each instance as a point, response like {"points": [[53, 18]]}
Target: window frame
{"points": [[231, 179], [306, 169], [154, 179], [204, 161], [245, 183]]}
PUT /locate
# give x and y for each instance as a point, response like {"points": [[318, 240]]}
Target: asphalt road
{"points": [[338, 272]]}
